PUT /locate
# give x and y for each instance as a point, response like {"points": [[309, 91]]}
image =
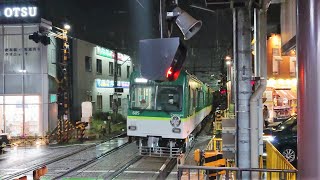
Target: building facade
{"points": [[27, 73], [93, 78]]}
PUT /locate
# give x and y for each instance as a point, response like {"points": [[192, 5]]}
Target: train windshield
{"points": [[158, 98], [169, 98], [143, 97]]}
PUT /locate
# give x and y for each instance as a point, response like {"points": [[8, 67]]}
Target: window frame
{"points": [[99, 102], [88, 64], [111, 69], [99, 68]]}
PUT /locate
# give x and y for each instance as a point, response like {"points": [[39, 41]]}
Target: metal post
{"points": [[244, 73], [115, 85], [162, 19], [115, 78], [171, 146], [262, 28], [308, 51]]}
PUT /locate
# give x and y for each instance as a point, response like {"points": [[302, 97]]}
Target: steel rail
{"points": [[166, 168], [91, 161], [40, 165], [119, 171]]}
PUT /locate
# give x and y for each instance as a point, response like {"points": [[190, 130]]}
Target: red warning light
{"points": [[169, 72], [172, 75]]}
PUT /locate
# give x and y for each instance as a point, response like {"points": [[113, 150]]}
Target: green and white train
{"points": [[164, 116]]}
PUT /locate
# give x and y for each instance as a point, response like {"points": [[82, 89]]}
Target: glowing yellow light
{"points": [[276, 41], [271, 83], [280, 82]]}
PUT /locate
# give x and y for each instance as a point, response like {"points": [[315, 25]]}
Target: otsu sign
{"points": [[16, 12]]}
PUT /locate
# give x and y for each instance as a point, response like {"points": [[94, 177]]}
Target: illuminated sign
{"points": [[111, 54], [104, 52], [123, 57], [16, 12], [109, 83]]}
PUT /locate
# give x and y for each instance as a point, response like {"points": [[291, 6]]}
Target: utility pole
{"points": [[115, 85], [308, 88], [242, 49]]}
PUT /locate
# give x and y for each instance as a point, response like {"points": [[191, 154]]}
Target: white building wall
{"points": [[84, 83], [24, 81]]}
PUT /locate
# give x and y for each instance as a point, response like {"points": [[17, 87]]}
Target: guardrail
{"points": [[275, 160], [159, 151], [215, 144], [202, 172]]}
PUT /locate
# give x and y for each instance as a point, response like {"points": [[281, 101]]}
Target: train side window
{"points": [[194, 98], [190, 100]]}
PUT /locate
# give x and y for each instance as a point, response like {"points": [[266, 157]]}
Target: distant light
{"points": [[228, 58], [141, 80], [67, 27], [228, 62], [22, 71]]}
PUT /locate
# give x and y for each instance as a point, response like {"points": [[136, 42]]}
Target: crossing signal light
{"points": [[162, 59]]}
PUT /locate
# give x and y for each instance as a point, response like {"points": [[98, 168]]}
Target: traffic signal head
{"points": [[35, 37], [162, 59]]}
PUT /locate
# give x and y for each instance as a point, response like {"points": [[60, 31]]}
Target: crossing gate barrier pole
{"points": [[21, 178], [214, 159], [40, 172]]}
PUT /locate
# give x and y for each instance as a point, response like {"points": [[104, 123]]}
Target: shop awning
{"points": [[287, 94]]}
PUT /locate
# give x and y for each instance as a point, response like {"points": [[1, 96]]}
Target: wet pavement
{"points": [[20, 158]]}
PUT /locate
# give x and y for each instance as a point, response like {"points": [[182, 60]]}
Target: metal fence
{"points": [[275, 160], [159, 151], [231, 173]]}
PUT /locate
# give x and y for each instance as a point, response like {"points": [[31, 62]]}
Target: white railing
{"points": [[159, 151]]}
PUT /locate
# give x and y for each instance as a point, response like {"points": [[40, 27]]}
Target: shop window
{"points": [[111, 68], [99, 102], [99, 66], [88, 64], [128, 72]]}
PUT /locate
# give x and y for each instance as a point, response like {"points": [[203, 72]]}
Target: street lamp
{"points": [[66, 27]]}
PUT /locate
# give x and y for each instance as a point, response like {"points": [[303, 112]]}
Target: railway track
{"points": [[89, 162], [61, 157]]}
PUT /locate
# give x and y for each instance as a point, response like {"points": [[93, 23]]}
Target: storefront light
{"points": [[140, 80], [276, 42], [280, 82], [293, 82], [271, 83]]}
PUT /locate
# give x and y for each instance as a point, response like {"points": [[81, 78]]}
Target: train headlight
{"points": [[132, 128], [176, 130], [175, 121]]}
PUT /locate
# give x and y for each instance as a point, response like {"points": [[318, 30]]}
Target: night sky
{"points": [[122, 23]]}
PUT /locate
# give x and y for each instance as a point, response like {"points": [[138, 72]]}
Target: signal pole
{"points": [[45, 30], [115, 85], [64, 125]]}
